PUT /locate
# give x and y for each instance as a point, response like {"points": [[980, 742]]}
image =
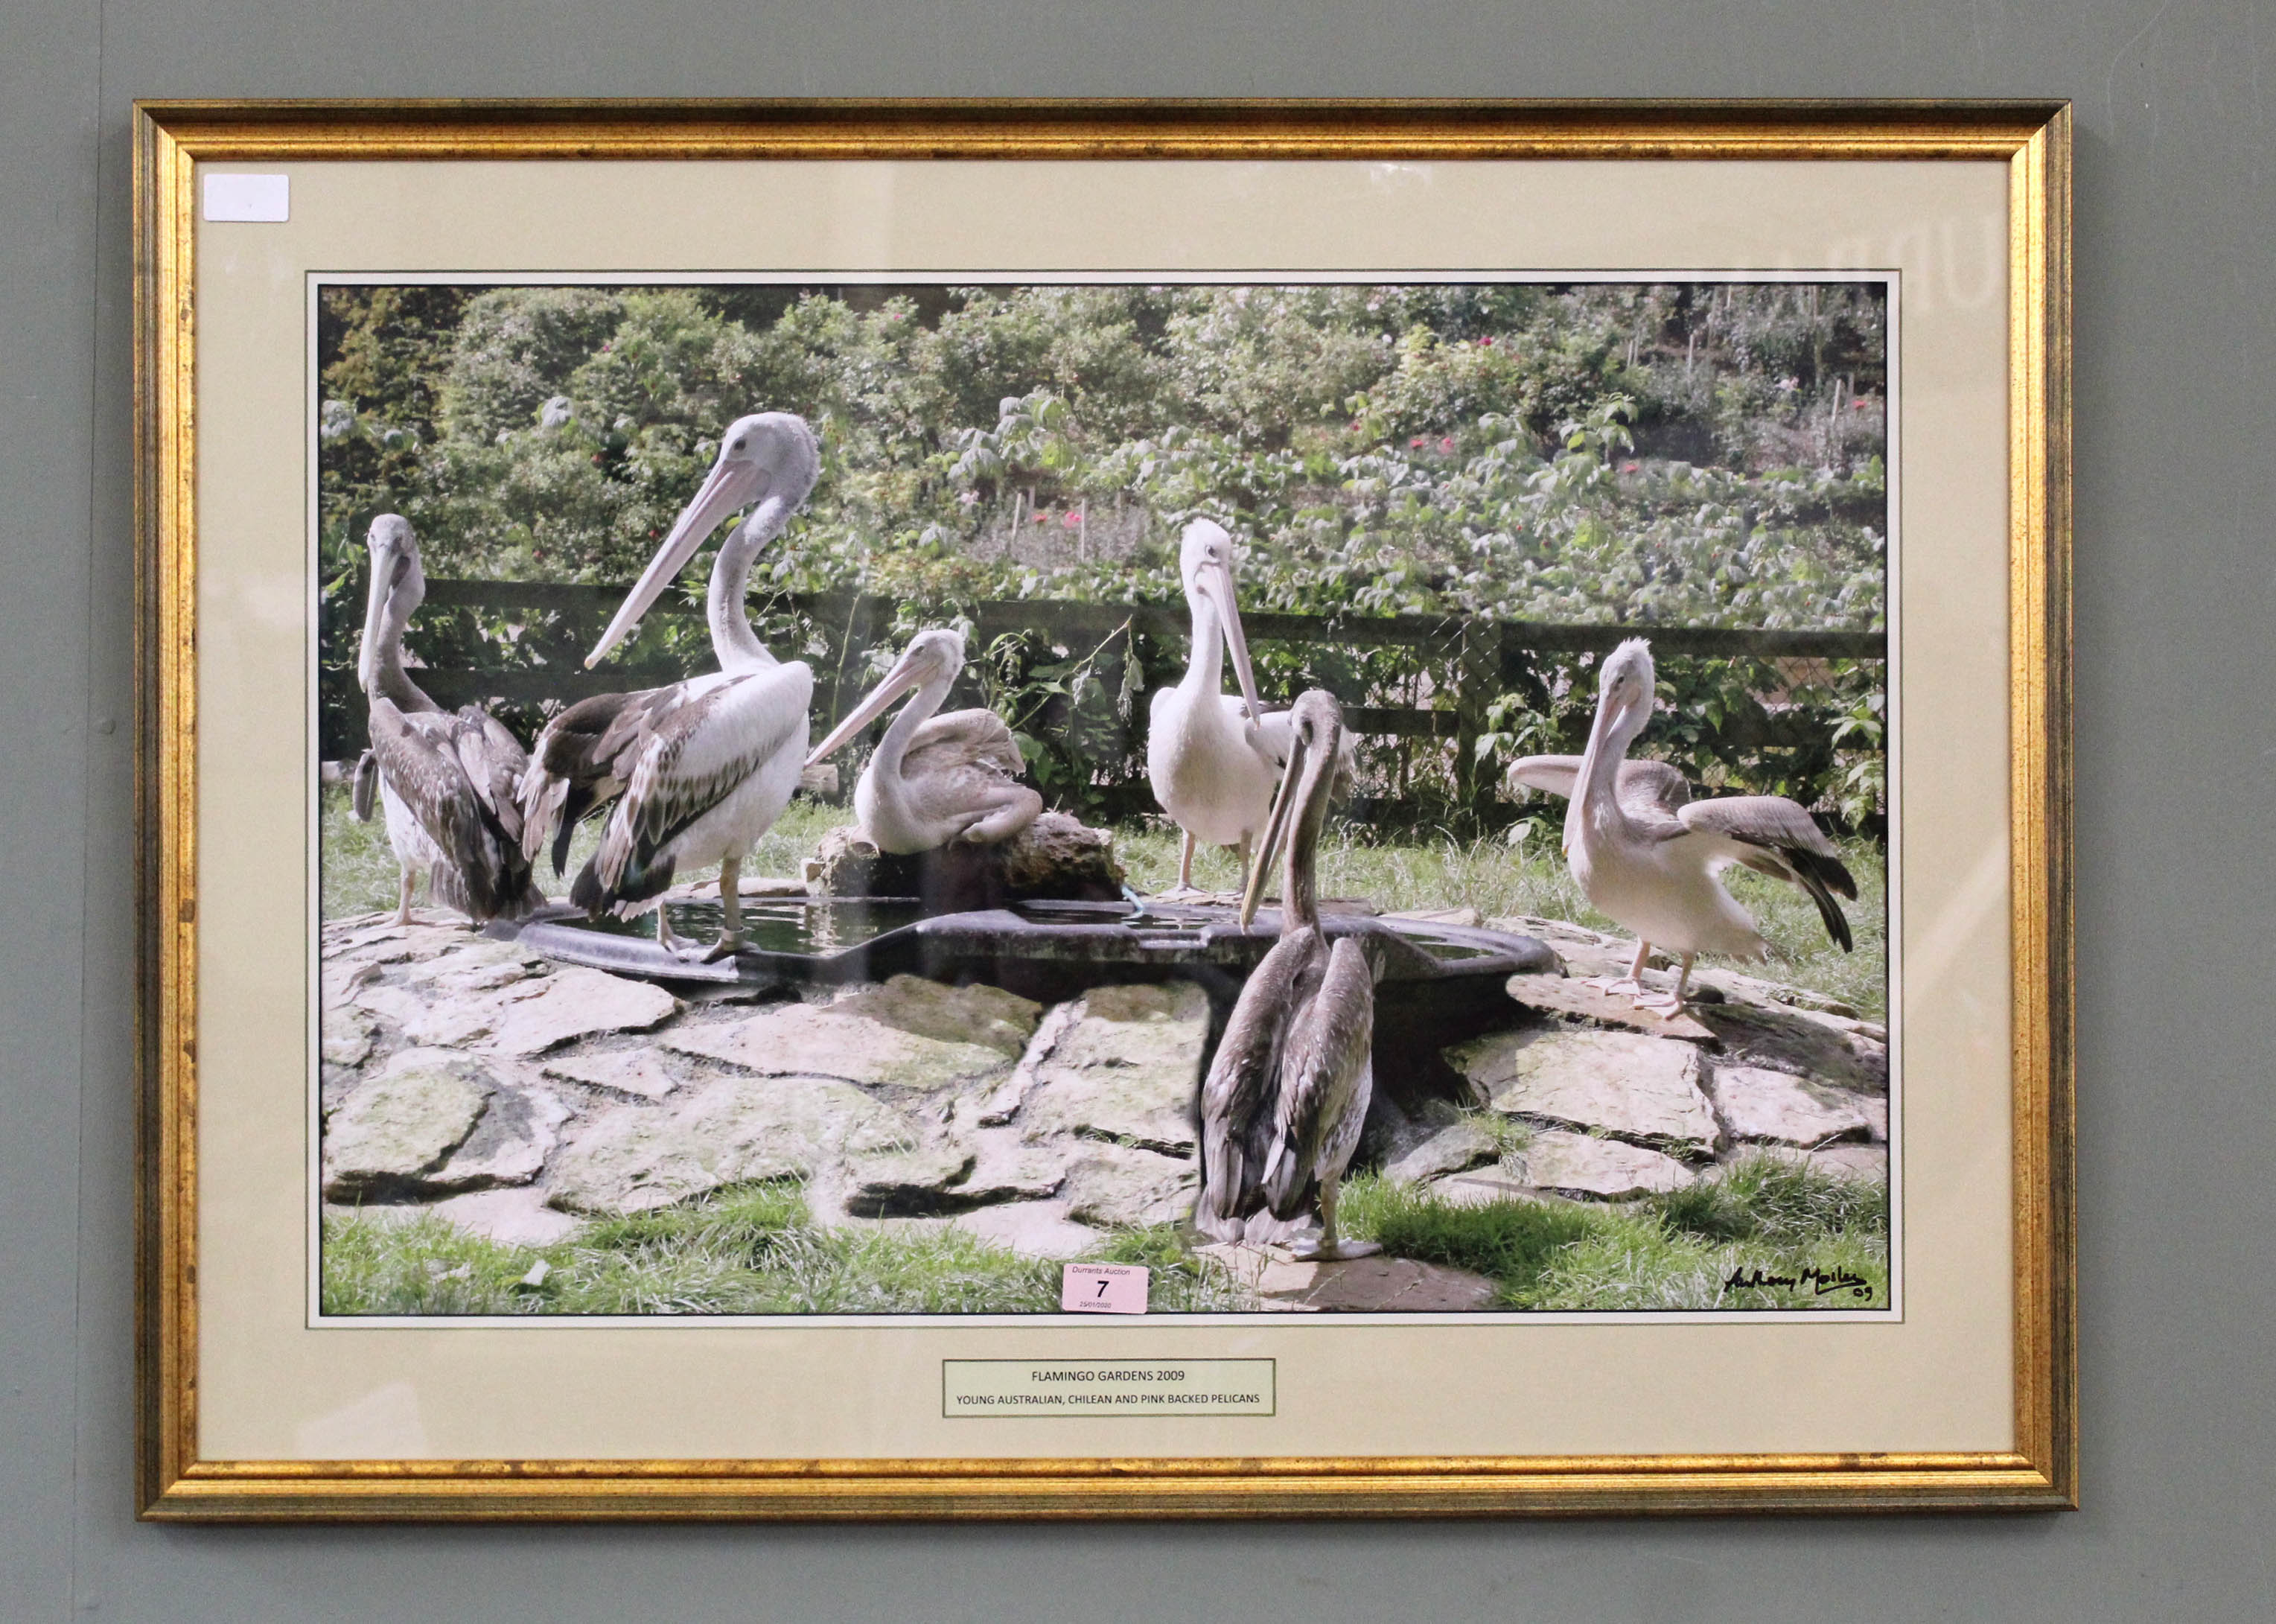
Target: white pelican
{"points": [[1288, 1094], [934, 778], [1647, 854], [446, 779], [702, 767], [1212, 758]]}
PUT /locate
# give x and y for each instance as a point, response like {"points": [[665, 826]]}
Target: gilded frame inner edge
{"points": [[2034, 139]]}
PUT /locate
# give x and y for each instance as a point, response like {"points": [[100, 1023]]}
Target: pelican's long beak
{"points": [[1276, 834], [386, 569], [1610, 720], [730, 485], [1237, 644], [907, 674]]}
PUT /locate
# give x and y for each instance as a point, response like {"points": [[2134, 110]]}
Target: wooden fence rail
{"points": [[1473, 661]]}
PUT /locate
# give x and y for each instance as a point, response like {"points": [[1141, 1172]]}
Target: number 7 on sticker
{"points": [[1103, 1289]]}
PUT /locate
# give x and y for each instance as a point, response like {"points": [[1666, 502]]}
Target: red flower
{"points": [[1628, 467], [1043, 518], [1415, 444], [1070, 522], [1447, 444], [1485, 344]]}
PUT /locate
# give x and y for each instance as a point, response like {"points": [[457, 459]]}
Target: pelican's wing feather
{"points": [[363, 792], [1324, 1063], [1781, 840], [693, 755], [494, 765], [582, 759], [976, 738], [1647, 788], [423, 757], [1237, 1095]]}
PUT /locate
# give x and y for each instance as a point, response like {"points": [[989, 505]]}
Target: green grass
{"points": [[1680, 1251], [749, 1250], [1499, 880], [754, 1251]]}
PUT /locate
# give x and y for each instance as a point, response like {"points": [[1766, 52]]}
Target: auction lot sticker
{"points": [[1106, 1386]]}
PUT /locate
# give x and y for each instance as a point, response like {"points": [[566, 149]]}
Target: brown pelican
{"points": [[1212, 758], [1286, 1096], [1647, 854], [934, 778], [446, 778], [701, 769]]}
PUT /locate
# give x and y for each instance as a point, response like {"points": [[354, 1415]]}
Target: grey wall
{"points": [[2176, 308]]}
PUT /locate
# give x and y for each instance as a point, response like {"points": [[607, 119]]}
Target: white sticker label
{"points": [[1103, 1289], [264, 199], [1068, 1388]]}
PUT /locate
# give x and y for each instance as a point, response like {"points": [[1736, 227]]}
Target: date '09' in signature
{"points": [[1819, 1282]]}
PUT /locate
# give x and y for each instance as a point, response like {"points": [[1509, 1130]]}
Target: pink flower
{"points": [[1860, 404], [1628, 467], [1354, 428], [1485, 344], [1446, 443], [1043, 518], [1070, 522], [1415, 444]]}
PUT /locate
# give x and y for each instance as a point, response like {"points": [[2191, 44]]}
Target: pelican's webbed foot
{"points": [[1320, 1249], [1661, 1003], [726, 947], [1613, 985]]}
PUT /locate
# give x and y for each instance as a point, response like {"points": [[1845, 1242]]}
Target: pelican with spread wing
{"points": [[934, 778], [695, 772], [1648, 855], [1287, 1093], [445, 778]]}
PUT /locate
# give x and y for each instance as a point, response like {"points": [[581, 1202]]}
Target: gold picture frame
{"points": [[179, 1478]]}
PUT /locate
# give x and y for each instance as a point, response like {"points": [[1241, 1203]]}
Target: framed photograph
{"points": [[1074, 810]]}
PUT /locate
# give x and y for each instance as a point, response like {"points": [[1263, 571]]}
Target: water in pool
{"points": [[816, 925]]}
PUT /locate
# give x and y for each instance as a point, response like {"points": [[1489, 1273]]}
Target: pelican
{"points": [[1648, 855], [934, 778], [1212, 758], [699, 770], [1287, 1093], [446, 779]]}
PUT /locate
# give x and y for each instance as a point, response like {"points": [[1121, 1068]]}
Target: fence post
{"points": [[1478, 654]]}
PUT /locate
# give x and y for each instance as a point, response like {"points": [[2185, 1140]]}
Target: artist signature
{"points": [[1819, 1282]]}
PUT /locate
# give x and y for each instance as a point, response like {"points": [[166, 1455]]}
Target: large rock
{"points": [[1055, 857], [1828, 1047], [1454, 1148], [848, 1040], [1582, 1165], [907, 1183], [1777, 1108], [402, 1125], [1375, 1284], [1125, 1069], [480, 965], [425, 1023], [981, 1014], [1117, 1188], [575, 1002], [637, 1158], [508, 1146], [634, 1070], [348, 1036], [1646, 1089]]}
